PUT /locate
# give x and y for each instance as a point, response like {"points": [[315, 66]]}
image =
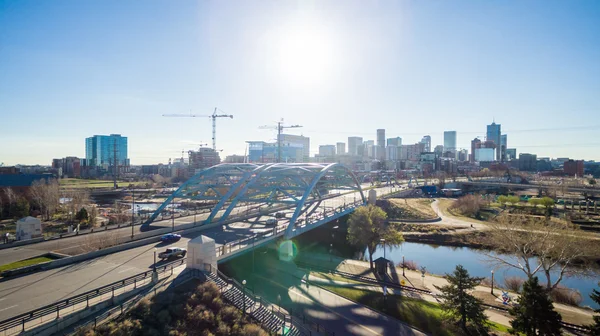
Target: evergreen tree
{"points": [[596, 326], [535, 314], [460, 306], [82, 215]]}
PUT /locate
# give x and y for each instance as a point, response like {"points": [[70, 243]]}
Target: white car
{"points": [[172, 252]]}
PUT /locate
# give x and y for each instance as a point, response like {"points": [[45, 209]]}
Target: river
{"points": [[443, 259]]}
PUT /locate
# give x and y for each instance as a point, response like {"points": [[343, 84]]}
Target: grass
{"points": [[424, 315], [334, 277], [23, 263], [444, 206], [83, 183], [414, 208]]}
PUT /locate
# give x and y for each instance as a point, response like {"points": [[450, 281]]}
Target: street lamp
{"points": [[403, 266], [154, 265], [244, 293], [172, 214], [279, 303], [330, 252], [383, 242], [492, 282], [132, 210]]}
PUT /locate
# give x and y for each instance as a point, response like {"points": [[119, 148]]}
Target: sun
{"points": [[305, 54]]}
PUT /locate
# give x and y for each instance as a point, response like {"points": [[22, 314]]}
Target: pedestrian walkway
{"points": [[428, 282]]}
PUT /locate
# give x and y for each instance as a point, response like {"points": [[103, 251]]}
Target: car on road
{"points": [[172, 252], [169, 237], [271, 221], [280, 215]]}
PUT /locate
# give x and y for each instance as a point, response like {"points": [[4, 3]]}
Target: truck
{"points": [[172, 252]]}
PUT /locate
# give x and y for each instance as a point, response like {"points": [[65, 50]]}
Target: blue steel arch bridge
{"points": [[301, 187]]}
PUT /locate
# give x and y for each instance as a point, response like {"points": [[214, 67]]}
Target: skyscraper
{"points": [[475, 144], [494, 134], [299, 141], [426, 140], [380, 144], [341, 148], [397, 141], [106, 150], [353, 144], [450, 141], [503, 146]]}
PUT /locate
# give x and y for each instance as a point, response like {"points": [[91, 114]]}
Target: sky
{"points": [[73, 69]]}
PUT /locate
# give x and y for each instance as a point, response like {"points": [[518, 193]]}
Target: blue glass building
{"points": [[103, 150]]}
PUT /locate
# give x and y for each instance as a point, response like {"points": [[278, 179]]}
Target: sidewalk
{"points": [[338, 314], [414, 279]]}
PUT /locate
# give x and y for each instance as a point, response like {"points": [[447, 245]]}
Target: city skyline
{"points": [[73, 69]]}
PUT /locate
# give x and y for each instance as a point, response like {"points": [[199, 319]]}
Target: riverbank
{"points": [[574, 315]]}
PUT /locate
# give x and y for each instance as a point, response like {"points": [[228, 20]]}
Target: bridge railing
{"points": [[37, 317], [236, 245]]}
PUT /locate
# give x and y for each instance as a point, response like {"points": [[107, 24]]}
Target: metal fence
{"points": [[54, 311]]}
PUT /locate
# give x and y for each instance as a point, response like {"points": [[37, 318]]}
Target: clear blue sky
{"points": [[71, 69]]}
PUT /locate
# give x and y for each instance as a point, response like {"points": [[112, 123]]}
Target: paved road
{"points": [[21, 294]]}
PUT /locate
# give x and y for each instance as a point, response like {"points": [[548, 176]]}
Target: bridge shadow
{"points": [[285, 283]]}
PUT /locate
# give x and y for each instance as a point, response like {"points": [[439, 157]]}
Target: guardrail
{"points": [[306, 324], [566, 325], [54, 311]]}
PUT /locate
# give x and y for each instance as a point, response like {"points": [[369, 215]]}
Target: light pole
{"points": [[330, 252], [383, 242], [244, 293], [132, 210], [154, 265], [403, 266], [279, 303], [492, 291], [172, 214]]}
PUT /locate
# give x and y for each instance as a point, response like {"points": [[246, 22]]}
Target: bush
{"points": [[253, 330], [469, 205], [513, 283], [486, 282], [565, 295], [409, 264]]}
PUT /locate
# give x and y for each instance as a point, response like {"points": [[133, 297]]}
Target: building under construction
{"points": [[202, 159]]}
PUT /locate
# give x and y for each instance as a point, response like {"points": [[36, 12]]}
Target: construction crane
{"points": [[279, 127], [213, 116]]}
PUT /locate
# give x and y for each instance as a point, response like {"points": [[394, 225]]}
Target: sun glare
{"points": [[305, 55]]}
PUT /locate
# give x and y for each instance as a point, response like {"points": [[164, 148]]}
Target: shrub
{"points": [[253, 330], [514, 283], [565, 295], [469, 205], [230, 315], [142, 309]]}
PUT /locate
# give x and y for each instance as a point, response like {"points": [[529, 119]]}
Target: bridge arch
{"points": [[267, 188]]}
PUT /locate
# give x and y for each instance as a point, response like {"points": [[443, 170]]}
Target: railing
{"points": [[566, 325], [302, 322], [54, 311]]}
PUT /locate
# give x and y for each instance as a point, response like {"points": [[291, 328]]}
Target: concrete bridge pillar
{"points": [[201, 254]]}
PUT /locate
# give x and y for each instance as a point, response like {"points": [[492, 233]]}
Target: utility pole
{"points": [[114, 161], [132, 210]]}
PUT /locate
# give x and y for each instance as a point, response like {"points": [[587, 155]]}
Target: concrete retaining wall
{"points": [[21, 243]]}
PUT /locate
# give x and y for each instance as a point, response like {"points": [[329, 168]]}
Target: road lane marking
{"points": [[126, 270], [7, 308]]}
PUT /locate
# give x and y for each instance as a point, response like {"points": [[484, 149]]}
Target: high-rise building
{"points": [[411, 152], [391, 152], [450, 141], [397, 141], [341, 148], [484, 154], [438, 150], [494, 134], [106, 150], [354, 143], [297, 142], [527, 162], [573, 168], [426, 140], [503, 146], [369, 151], [327, 150], [203, 158], [475, 144], [380, 151]]}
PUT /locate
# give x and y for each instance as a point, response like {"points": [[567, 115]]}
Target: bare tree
{"points": [[534, 244], [11, 196], [46, 195], [75, 199]]}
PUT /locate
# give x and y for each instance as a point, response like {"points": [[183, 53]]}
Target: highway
{"points": [[21, 294]]}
